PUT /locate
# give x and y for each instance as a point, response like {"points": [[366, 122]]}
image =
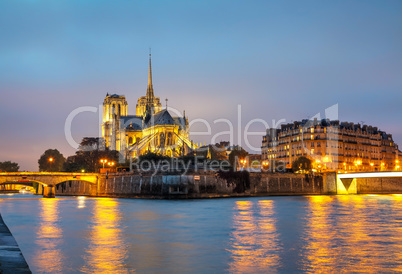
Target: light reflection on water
{"points": [[255, 238], [353, 234], [106, 251], [266, 235], [49, 237]]}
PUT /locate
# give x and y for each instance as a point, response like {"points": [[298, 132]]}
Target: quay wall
{"points": [[11, 258], [195, 186], [385, 185], [212, 186]]}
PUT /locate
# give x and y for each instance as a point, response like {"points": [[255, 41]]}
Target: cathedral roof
{"points": [[132, 122], [180, 121], [163, 117]]}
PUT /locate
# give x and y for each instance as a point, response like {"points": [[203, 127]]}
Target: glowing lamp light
{"points": [[371, 164], [103, 161]]}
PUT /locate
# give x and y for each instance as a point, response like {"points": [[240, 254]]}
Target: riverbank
{"points": [[11, 258], [196, 186], [215, 185]]}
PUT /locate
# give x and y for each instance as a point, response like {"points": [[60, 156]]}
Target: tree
{"points": [[9, 166], [51, 160], [151, 160], [72, 166], [89, 154], [236, 155], [301, 164], [239, 179]]}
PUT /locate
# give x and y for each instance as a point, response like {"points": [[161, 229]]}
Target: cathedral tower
{"points": [[114, 107]]}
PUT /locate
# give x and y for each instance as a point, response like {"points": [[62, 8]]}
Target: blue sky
{"points": [[278, 59]]}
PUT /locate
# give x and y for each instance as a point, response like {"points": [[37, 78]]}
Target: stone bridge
{"points": [[48, 180], [369, 182]]}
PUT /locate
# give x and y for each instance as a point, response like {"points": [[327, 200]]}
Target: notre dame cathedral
{"points": [[152, 129]]}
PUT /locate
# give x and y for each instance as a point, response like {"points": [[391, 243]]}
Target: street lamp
{"points": [[103, 161], [265, 165], [50, 161], [243, 162]]}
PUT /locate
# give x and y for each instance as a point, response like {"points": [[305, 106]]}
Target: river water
{"points": [[356, 233]]}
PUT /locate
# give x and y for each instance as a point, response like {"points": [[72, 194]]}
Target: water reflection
{"points": [[107, 250], [48, 257], [81, 202], [255, 245], [349, 234]]}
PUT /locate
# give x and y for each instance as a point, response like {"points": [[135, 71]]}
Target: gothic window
{"points": [[162, 140], [169, 139], [130, 140]]}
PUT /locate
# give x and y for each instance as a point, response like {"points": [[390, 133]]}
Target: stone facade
{"points": [[332, 146]]}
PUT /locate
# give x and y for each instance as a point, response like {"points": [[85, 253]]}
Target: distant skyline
{"points": [[277, 59]]}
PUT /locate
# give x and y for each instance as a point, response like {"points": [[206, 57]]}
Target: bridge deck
{"points": [[370, 175]]}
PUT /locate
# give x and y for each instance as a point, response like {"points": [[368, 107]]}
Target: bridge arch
{"points": [[47, 181], [75, 187], [22, 182]]}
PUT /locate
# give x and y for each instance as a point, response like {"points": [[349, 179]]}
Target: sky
{"points": [[278, 61]]}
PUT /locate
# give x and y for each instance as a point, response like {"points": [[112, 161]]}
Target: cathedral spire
{"points": [[150, 88]]}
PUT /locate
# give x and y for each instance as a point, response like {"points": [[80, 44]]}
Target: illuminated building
{"points": [[332, 145], [152, 129]]}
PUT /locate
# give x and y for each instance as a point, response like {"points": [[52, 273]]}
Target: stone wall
{"points": [[69, 188], [192, 186], [386, 185]]}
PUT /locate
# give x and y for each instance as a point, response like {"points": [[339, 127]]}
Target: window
{"points": [[312, 144], [130, 140], [312, 130]]}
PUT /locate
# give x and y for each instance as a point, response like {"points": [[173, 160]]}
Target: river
{"points": [[350, 233]]}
